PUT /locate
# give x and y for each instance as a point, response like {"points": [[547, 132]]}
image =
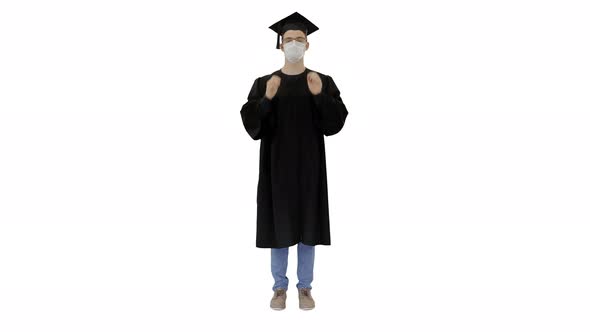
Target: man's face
{"points": [[297, 35]]}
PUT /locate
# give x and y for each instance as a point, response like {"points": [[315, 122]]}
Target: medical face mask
{"points": [[294, 51]]}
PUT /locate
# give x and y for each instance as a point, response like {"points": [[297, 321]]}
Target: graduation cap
{"points": [[294, 21]]}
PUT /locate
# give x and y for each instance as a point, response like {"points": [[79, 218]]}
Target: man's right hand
{"points": [[272, 85]]}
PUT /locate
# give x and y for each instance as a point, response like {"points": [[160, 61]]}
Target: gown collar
{"points": [[280, 72]]}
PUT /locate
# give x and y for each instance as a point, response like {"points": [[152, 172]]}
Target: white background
{"points": [[459, 186]]}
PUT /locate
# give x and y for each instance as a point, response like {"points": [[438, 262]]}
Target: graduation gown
{"points": [[292, 193]]}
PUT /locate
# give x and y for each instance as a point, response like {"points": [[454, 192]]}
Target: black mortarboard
{"points": [[294, 21]]}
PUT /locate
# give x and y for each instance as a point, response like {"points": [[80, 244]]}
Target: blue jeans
{"points": [[278, 266]]}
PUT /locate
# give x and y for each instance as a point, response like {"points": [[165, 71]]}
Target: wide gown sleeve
{"points": [[255, 112], [331, 110]]}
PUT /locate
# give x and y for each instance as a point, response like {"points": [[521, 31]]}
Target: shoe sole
{"points": [[278, 309]]}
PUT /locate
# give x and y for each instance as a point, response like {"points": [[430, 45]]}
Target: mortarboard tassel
{"points": [[279, 34]]}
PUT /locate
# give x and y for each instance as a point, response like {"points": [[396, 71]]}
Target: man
{"points": [[290, 111]]}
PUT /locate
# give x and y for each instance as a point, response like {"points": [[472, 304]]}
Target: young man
{"points": [[290, 111]]}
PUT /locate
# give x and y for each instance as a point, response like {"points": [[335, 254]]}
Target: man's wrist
{"points": [[265, 105]]}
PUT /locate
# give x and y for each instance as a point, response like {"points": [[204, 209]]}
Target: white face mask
{"points": [[294, 51]]}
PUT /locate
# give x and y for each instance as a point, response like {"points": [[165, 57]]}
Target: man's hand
{"points": [[272, 85], [314, 82]]}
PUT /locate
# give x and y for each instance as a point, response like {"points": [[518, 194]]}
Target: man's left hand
{"points": [[314, 82]]}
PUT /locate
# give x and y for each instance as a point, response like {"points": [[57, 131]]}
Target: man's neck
{"points": [[293, 68]]}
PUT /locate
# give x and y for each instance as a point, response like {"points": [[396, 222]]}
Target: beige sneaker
{"points": [[278, 299], [306, 302]]}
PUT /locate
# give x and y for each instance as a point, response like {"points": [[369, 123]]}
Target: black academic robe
{"points": [[292, 194]]}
